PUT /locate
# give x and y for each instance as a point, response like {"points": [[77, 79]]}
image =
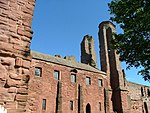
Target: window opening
{"points": [[73, 78], [100, 82], [71, 105], [38, 71], [56, 75], [44, 104], [100, 106], [88, 81]]}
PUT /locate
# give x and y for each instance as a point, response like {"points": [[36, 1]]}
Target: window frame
{"points": [[88, 81], [100, 83], [71, 105], [36, 73], [58, 78], [44, 104], [73, 78]]}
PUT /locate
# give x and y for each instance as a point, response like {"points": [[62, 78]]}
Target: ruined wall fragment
{"points": [[15, 38]]}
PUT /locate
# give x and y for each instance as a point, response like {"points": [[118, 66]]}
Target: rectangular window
{"points": [[44, 104], [100, 82], [71, 105], [88, 81], [100, 106], [56, 75], [73, 78], [38, 71]]}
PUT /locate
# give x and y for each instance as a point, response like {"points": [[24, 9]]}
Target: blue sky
{"points": [[60, 25]]}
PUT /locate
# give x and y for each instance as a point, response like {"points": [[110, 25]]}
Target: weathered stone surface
{"points": [[3, 72], [70, 58], [26, 64], [15, 36], [13, 83], [21, 98], [88, 54], [8, 61], [15, 76], [26, 78], [16, 110], [10, 104], [25, 72], [12, 90], [21, 91], [5, 96], [18, 62]]}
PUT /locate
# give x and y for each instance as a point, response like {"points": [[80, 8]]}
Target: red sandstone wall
{"points": [[137, 98], [46, 86], [15, 38]]}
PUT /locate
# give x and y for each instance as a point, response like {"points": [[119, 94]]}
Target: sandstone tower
{"points": [[15, 38], [111, 65], [88, 55]]}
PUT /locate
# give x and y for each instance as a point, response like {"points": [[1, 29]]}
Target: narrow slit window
{"points": [[38, 71], [73, 78], [44, 104], [100, 106], [56, 74], [71, 105]]}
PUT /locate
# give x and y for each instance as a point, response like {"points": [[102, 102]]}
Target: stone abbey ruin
{"points": [[33, 82]]}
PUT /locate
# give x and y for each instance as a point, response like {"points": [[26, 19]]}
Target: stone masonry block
{"points": [[25, 72], [21, 98], [4, 71], [15, 76], [26, 64], [18, 62], [4, 1], [8, 61], [10, 104], [12, 90], [13, 83], [22, 91], [16, 111], [6, 47]]}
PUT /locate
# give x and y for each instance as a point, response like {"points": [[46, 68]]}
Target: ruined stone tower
{"points": [[111, 65], [15, 38], [88, 55]]}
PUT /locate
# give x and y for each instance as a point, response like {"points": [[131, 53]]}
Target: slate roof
{"points": [[65, 62]]}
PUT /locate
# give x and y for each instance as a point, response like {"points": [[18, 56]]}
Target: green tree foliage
{"points": [[133, 44]]}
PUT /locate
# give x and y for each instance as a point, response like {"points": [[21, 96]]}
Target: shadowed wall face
{"points": [[15, 38]]}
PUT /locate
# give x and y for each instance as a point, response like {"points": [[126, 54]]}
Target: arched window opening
{"points": [[88, 108]]}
